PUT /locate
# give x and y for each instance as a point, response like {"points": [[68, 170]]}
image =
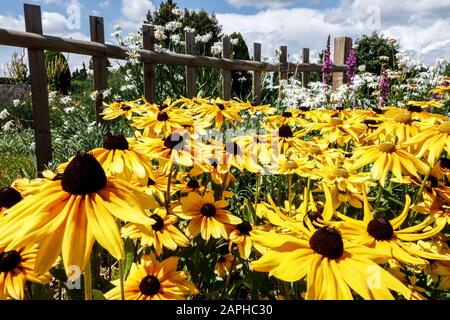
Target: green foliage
{"points": [[241, 80], [58, 71], [370, 47], [17, 69]]}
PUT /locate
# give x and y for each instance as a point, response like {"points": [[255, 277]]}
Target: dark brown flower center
{"points": [[159, 222], [304, 109], [287, 114], [445, 163], [162, 116], [387, 147], [221, 106], [221, 259], [244, 228], [414, 109], [57, 177], [150, 182], [377, 110], [9, 197], [83, 175], [213, 162], [208, 210], [380, 229], [150, 285], [125, 108], [314, 215], [233, 148], [327, 241], [285, 131], [9, 260], [163, 106], [115, 142], [193, 184], [174, 140]]}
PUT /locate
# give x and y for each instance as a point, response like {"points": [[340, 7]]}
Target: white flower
{"points": [[234, 41], [175, 38], [173, 25], [362, 68], [90, 72], [133, 56], [69, 109], [204, 39], [8, 125], [51, 96], [216, 48], [159, 35], [16, 102], [177, 11], [189, 29], [4, 114], [106, 93], [66, 100]]}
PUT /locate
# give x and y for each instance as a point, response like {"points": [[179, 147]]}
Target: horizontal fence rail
{"points": [[36, 43]]}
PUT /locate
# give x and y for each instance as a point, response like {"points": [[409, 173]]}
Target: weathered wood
{"points": [[257, 74], [283, 73], [226, 74], [305, 74], [39, 91], [33, 41], [98, 63], [342, 47], [148, 36], [191, 73]]}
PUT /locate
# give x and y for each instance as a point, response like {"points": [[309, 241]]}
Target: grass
{"points": [[13, 166]]}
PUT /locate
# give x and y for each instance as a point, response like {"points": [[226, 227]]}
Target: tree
{"points": [[370, 48], [80, 74], [241, 80], [58, 71]]}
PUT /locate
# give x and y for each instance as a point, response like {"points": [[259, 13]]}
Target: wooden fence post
{"points": [[226, 74], [257, 74], [98, 63], [39, 90], [191, 73], [342, 47], [283, 74], [148, 36], [305, 59]]}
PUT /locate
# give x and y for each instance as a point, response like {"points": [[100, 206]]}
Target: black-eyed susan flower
{"points": [[388, 157], [425, 104], [155, 186], [208, 217], [162, 233], [16, 268], [68, 215], [218, 111], [153, 280], [223, 264], [9, 196], [121, 108], [241, 235], [161, 123], [325, 254], [441, 269], [387, 237], [120, 158]]}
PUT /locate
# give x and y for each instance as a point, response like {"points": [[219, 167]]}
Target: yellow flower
{"points": [[68, 215], [153, 280], [161, 233], [218, 110], [16, 268], [388, 157], [120, 108], [161, 123], [223, 264], [426, 104], [441, 89], [242, 236], [208, 217]]}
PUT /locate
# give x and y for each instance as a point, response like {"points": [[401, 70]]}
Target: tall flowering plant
{"points": [[384, 88], [351, 63], [327, 65]]}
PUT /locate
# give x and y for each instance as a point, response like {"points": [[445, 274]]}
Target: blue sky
{"points": [[420, 26]]}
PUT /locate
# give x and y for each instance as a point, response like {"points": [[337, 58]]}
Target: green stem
{"points": [[227, 282], [380, 191], [257, 190], [422, 186], [167, 198], [289, 181], [121, 276], [88, 281]]}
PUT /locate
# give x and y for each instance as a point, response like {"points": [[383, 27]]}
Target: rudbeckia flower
{"points": [[16, 268], [162, 123], [223, 264], [208, 217], [388, 157], [120, 108], [68, 215], [162, 233], [241, 235], [9, 196], [431, 140], [218, 111], [442, 270], [255, 108], [426, 104], [325, 254], [441, 89], [153, 280], [119, 157], [436, 205], [386, 236]]}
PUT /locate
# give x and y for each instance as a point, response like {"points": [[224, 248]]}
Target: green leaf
{"points": [[98, 295], [129, 257], [40, 292]]}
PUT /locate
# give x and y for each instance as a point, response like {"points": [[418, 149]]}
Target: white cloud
{"points": [[260, 4], [420, 26], [104, 3], [134, 13]]}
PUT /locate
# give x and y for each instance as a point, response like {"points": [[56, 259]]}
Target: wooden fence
{"points": [[34, 40]]}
